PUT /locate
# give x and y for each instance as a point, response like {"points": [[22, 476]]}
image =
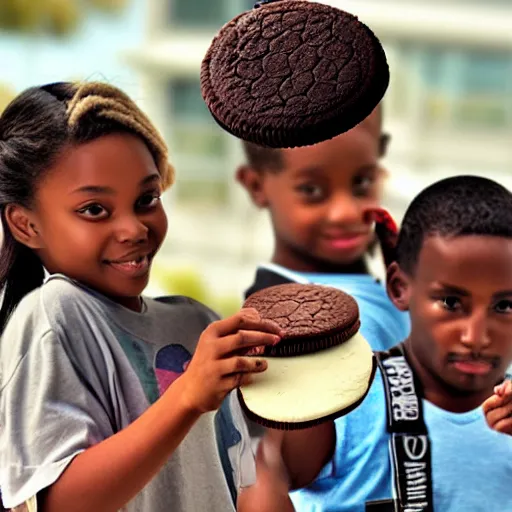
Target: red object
{"points": [[387, 232]]}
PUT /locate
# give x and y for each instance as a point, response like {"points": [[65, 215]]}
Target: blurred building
{"points": [[449, 110]]}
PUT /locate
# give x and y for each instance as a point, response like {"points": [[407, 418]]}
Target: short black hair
{"points": [[262, 158], [457, 206]]}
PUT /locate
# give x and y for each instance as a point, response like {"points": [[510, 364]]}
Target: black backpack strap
{"points": [[409, 441]]}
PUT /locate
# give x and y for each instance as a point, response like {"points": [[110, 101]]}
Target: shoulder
{"points": [[38, 310], [67, 304], [41, 315]]}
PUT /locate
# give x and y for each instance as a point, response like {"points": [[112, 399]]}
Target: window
{"points": [[206, 13], [463, 88], [198, 12], [198, 144], [194, 130]]}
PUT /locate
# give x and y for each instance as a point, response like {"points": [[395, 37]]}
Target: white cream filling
{"points": [[309, 387]]}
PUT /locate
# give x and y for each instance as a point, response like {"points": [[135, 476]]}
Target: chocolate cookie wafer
{"points": [[293, 73], [321, 369]]}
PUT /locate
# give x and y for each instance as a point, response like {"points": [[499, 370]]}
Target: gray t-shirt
{"points": [[76, 368]]}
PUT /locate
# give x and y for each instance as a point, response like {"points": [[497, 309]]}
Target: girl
{"points": [[104, 394]]}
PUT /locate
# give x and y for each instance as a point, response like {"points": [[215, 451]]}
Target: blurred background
{"points": [[448, 108]]}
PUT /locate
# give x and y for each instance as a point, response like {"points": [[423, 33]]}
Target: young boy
{"points": [[453, 274], [319, 198]]}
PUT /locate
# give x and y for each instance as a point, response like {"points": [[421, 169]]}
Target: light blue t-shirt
{"points": [[471, 464], [382, 324]]}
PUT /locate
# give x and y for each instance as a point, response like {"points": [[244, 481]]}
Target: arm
{"points": [[119, 467], [270, 491], [286, 461], [106, 476], [306, 452]]}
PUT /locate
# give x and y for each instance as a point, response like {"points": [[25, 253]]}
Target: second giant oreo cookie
{"points": [[321, 369]]}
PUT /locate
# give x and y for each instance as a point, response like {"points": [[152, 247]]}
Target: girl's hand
{"points": [[498, 408], [221, 361], [270, 492]]}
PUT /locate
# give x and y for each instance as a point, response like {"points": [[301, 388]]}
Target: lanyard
{"points": [[409, 442]]}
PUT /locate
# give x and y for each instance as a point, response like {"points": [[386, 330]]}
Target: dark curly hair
{"points": [[457, 206]]}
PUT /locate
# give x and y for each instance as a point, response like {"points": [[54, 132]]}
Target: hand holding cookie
{"points": [[498, 408], [222, 359]]}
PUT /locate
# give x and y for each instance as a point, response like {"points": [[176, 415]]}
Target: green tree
{"points": [[51, 17]]}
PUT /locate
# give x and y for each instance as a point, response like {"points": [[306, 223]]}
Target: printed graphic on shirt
{"points": [[141, 359], [170, 363], [155, 373]]}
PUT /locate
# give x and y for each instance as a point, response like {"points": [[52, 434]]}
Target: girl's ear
{"points": [[23, 226], [398, 286]]}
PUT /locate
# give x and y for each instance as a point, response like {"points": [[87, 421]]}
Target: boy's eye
{"points": [[148, 200], [363, 185], [450, 303], [94, 211], [311, 192], [504, 306]]}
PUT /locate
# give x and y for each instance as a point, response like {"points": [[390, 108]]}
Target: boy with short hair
{"points": [[453, 273], [320, 199]]}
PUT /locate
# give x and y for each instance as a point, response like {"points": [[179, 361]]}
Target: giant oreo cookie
{"points": [[321, 369], [293, 73]]}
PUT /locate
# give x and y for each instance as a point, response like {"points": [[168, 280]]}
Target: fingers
{"points": [[242, 364], [504, 426], [246, 319], [505, 388], [247, 342], [244, 333], [491, 403], [496, 415], [238, 371], [237, 380], [502, 396]]}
